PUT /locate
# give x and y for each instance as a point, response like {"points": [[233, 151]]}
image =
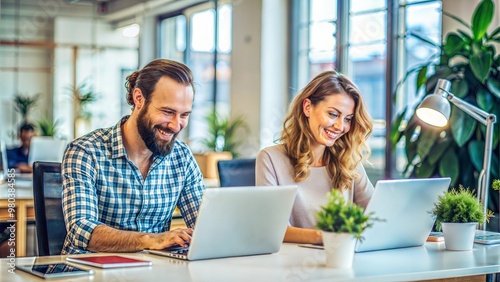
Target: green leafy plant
{"points": [[469, 60], [459, 206], [83, 95], [339, 216], [223, 134], [496, 184], [47, 126], [24, 105]]}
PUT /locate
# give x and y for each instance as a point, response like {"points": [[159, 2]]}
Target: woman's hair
{"points": [[147, 78], [347, 152]]}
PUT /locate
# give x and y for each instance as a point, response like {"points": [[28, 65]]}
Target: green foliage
{"points": [[496, 184], [24, 104], [47, 126], [342, 217], [83, 95], [459, 206], [468, 59], [223, 133]]}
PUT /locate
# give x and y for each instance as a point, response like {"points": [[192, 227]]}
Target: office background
{"points": [[266, 51]]}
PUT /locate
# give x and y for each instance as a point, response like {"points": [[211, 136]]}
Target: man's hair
{"points": [[26, 127], [146, 78]]}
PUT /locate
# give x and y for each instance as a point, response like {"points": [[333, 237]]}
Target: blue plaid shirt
{"points": [[102, 186]]}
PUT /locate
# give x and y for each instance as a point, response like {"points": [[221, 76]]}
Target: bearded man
{"points": [[121, 184]]}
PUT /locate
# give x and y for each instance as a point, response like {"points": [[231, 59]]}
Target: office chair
{"points": [[236, 172], [47, 193]]}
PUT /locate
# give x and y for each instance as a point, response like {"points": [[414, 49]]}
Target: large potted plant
{"points": [[457, 213], [83, 96], [25, 104], [221, 143], [341, 223], [469, 60]]}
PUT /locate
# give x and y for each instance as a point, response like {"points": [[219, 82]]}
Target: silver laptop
{"points": [[22, 180], [238, 221], [405, 206], [46, 149], [4, 165]]}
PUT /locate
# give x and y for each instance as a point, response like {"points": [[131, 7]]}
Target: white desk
{"points": [[294, 263]]}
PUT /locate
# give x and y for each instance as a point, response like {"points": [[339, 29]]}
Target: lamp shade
{"points": [[434, 110]]}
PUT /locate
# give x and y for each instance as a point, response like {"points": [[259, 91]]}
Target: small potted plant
{"points": [[457, 214], [341, 223]]}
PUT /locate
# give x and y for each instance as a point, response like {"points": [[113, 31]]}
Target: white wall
{"points": [[102, 52], [259, 66]]}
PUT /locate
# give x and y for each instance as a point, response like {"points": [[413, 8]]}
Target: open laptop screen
{"points": [[46, 149]]}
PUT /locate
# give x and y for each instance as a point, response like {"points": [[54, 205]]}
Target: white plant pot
{"points": [[339, 249], [459, 236]]}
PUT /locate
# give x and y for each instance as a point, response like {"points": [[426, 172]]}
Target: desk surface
{"points": [[294, 263]]}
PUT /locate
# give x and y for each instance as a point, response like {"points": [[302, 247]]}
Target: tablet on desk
{"points": [[487, 237], [54, 270], [109, 261]]}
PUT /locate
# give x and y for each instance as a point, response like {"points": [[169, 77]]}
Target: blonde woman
{"points": [[321, 148]]}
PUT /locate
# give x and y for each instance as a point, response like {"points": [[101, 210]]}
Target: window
{"points": [[189, 36], [352, 37]]}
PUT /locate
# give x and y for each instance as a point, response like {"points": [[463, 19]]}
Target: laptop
{"points": [[4, 165], [405, 207], [238, 221], [22, 180], [46, 149]]}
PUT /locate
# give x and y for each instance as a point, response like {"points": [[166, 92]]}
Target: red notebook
{"points": [[109, 261]]}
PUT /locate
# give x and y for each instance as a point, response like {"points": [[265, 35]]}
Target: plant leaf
{"points": [[459, 88], [438, 150], [462, 126], [481, 20], [484, 99], [449, 165], [420, 37], [395, 134], [426, 141], [454, 43], [456, 18], [411, 146], [493, 85], [494, 33], [421, 77], [476, 153], [480, 65], [425, 170]]}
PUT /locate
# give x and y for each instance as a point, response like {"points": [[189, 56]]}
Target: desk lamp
{"points": [[435, 110]]}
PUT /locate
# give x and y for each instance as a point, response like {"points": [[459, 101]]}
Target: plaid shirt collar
{"points": [[118, 149]]}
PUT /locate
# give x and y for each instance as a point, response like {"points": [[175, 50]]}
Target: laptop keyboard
{"points": [[182, 251]]}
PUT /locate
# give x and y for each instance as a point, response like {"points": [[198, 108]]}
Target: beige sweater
{"points": [[273, 167]]}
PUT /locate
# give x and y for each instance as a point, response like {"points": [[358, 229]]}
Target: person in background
{"points": [[322, 145], [18, 157], [121, 184]]}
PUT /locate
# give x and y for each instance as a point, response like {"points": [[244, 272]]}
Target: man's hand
{"points": [[180, 236], [24, 168]]}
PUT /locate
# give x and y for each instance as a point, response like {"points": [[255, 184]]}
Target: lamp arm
{"points": [[488, 120], [470, 109]]}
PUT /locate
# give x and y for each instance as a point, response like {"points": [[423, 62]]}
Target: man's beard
{"points": [[147, 132]]}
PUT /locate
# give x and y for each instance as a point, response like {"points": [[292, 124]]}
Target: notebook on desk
{"points": [[238, 221]]}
